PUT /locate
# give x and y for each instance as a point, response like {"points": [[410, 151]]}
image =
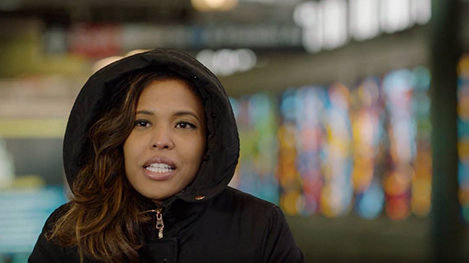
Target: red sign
{"points": [[95, 41]]}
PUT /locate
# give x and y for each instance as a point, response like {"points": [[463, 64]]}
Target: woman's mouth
{"points": [[159, 168], [159, 171]]}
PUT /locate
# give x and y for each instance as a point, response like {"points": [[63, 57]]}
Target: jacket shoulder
{"points": [[46, 251], [58, 212], [241, 200], [265, 221]]}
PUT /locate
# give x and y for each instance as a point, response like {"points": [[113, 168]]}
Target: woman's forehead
{"points": [[169, 95]]}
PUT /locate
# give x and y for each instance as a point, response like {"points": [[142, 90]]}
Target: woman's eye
{"points": [[185, 125], [142, 123]]}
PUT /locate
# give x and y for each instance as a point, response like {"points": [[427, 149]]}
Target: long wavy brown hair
{"points": [[104, 219]]}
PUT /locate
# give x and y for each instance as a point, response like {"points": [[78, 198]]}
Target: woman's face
{"points": [[165, 148]]}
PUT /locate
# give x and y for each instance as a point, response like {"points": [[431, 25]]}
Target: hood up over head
{"points": [[222, 152]]}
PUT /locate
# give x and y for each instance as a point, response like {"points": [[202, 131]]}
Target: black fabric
{"points": [[232, 227], [164, 251], [226, 225]]}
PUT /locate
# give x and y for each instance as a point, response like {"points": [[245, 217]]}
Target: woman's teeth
{"points": [[159, 168]]}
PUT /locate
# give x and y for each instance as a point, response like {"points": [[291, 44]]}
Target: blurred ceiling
{"points": [[58, 30], [66, 12]]}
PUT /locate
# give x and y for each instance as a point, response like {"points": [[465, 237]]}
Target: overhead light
{"points": [[226, 62], [306, 14], [214, 5]]}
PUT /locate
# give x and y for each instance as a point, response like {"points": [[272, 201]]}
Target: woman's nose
{"points": [[162, 139]]}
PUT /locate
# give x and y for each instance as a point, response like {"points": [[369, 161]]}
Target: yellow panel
{"points": [[32, 128]]}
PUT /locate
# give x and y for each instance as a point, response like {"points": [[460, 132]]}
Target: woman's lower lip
{"points": [[158, 176]]}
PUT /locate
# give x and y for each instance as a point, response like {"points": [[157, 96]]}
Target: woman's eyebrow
{"points": [[179, 113], [145, 112], [182, 113]]}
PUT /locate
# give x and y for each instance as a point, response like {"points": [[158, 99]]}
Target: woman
{"points": [[149, 149]]}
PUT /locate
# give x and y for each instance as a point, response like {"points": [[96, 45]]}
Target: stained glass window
{"points": [[463, 133], [335, 149]]}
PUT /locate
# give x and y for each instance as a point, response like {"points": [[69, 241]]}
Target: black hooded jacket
{"points": [[206, 222]]}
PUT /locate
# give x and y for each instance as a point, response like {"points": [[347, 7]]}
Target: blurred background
{"points": [[353, 114]]}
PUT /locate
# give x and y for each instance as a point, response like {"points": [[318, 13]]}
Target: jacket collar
{"points": [[178, 216]]}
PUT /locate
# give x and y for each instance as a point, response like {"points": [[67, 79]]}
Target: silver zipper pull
{"points": [[159, 222]]}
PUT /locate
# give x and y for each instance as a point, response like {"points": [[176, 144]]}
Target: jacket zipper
{"points": [[159, 222]]}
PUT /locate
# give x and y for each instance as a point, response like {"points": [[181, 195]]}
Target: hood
{"points": [[222, 154]]}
